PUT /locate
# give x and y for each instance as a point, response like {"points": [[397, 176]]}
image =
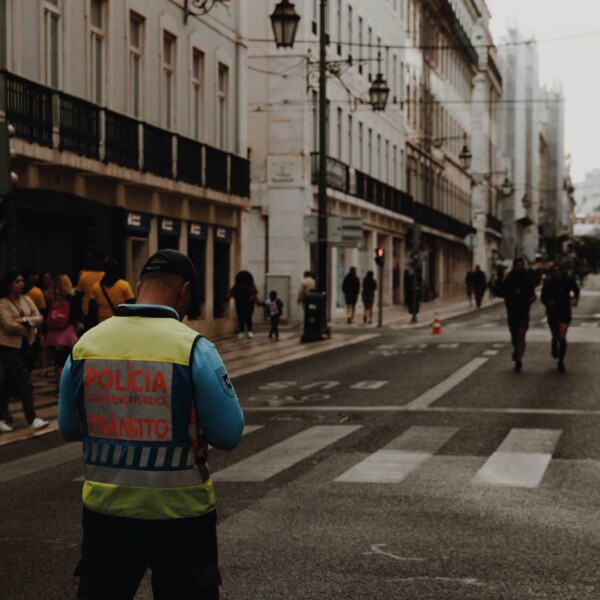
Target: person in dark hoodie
{"points": [[519, 294], [108, 293], [244, 294]]}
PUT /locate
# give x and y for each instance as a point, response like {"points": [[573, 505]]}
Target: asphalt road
{"points": [[408, 466]]}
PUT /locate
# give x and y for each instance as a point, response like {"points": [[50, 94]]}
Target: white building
{"points": [[587, 194], [387, 168], [131, 120], [520, 144]]}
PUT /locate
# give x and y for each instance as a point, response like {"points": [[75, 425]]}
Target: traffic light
{"points": [[379, 256], [8, 178]]}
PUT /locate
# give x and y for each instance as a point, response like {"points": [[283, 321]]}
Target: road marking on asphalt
{"points": [[368, 385], [277, 458], [400, 457], [588, 324], [442, 388], [521, 460], [40, 461], [490, 353], [448, 346], [377, 549], [498, 345]]}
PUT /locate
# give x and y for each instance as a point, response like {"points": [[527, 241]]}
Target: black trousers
{"points": [[116, 552], [16, 382], [244, 312]]}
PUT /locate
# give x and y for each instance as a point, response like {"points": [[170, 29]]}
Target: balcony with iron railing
{"points": [[53, 119], [343, 178], [493, 223]]}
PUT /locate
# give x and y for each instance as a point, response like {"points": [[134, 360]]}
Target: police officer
{"points": [[146, 394]]}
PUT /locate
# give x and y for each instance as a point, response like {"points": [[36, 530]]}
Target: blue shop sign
{"points": [[138, 222], [198, 231], [170, 226], [223, 234]]}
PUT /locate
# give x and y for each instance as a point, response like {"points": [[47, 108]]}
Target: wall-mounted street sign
{"points": [[223, 234], [198, 231], [341, 231]]}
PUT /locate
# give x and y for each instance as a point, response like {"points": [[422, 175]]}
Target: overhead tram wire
{"points": [[441, 46]]}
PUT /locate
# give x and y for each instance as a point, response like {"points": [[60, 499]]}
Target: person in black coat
{"points": [[559, 294], [351, 289], [244, 294], [519, 294], [479, 282]]}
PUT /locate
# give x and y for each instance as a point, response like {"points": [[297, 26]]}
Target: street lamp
{"points": [[465, 157], [284, 21], [378, 94], [507, 187]]}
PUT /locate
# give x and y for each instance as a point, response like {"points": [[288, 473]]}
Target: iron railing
{"points": [[79, 126], [122, 140], [29, 109], [216, 169], [189, 160], [44, 116], [365, 187], [493, 223], [239, 176]]}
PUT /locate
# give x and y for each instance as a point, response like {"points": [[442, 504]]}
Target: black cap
{"points": [[175, 263]]}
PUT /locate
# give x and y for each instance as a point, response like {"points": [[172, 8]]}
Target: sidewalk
{"points": [[244, 356]]}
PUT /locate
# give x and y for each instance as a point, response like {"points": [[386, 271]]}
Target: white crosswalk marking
{"points": [[400, 457], [521, 460], [279, 457]]}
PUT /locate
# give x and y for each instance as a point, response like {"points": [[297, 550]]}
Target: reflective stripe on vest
{"points": [[137, 406]]}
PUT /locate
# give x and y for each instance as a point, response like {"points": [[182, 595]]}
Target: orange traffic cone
{"points": [[437, 325]]}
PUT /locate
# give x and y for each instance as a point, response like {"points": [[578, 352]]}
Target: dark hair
{"points": [[112, 272], [244, 279], [272, 295], [97, 259], [369, 275], [6, 282]]}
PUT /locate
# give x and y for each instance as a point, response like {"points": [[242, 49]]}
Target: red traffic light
{"points": [[379, 256]]}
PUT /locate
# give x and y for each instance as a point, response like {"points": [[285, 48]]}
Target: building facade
{"points": [[131, 135], [386, 170], [520, 143]]}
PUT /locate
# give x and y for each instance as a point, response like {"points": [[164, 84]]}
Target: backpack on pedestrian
{"points": [[59, 316]]}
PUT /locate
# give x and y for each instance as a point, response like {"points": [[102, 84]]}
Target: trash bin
{"points": [[315, 317]]}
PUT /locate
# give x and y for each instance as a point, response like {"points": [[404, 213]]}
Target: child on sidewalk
{"points": [[275, 310]]}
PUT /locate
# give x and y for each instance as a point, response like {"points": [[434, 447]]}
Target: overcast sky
{"points": [[574, 61]]}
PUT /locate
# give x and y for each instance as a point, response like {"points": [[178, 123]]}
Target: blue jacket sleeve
{"points": [[68, 418], [216, 401]]}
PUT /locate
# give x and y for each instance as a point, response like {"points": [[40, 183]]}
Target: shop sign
{"points": [[223, 234], [198, 231], [138, 222], [170, 226]]}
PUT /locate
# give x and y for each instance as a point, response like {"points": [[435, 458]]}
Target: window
{"points": [[394, 181], [315, 117], [360, 44], [350, 140], [4, 33], [361, 150], [350, 31], [223, 107], [370, 150], [370, 52], [339, 27], [136, 64], [197, 93], [339, 133], [168, 80], [52, 43], [387, 161], [379, 158], [96, 67]]}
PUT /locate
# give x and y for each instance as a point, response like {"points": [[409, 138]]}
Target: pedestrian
{"points": [[148, 500], [245, 297], [559, 294], [351, 289], [62, 322], [275, 310], [469, 286], [32, 279], [479, 285], [369, 286], [519, 294], [412, 290], [46, 281], [19, 319], [108, 293], [88, 278], [307, 284]]}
